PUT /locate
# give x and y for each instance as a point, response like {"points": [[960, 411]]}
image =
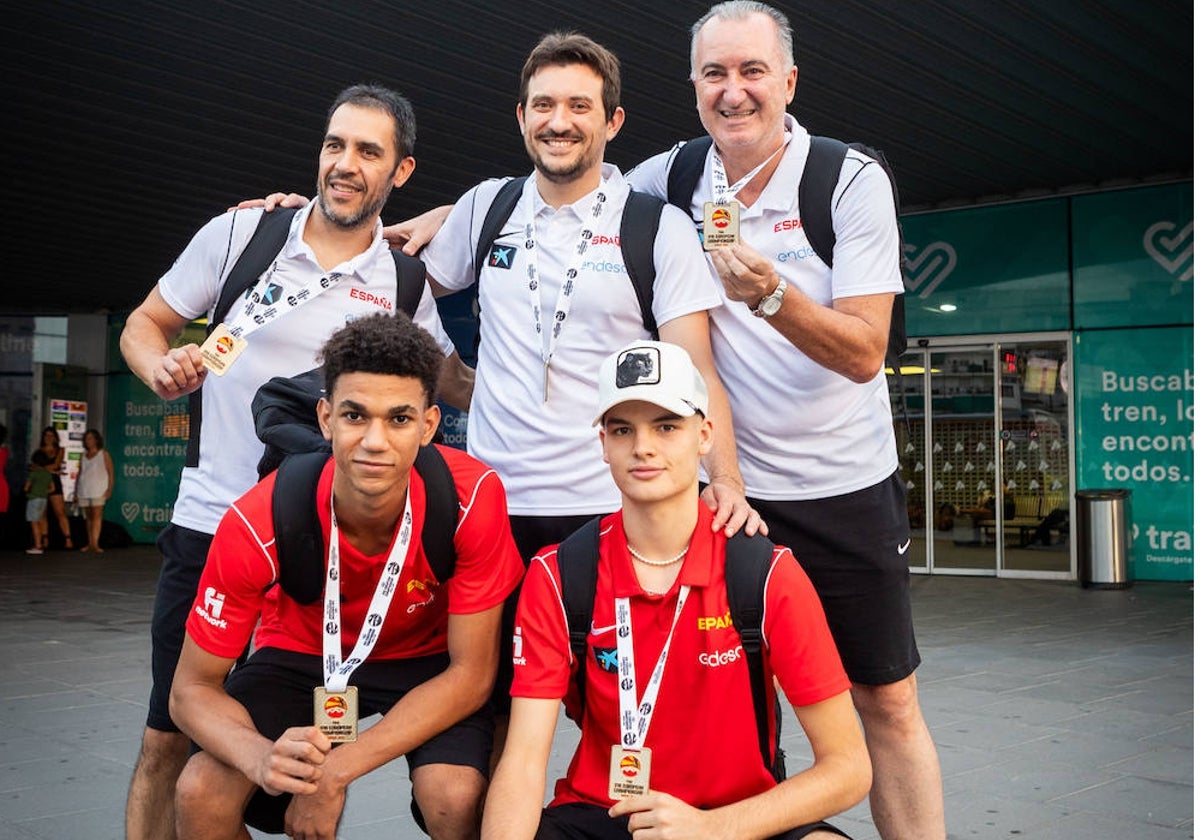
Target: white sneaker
{"points": [[34, 551]]}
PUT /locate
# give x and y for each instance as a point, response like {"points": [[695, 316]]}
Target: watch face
{"points": [[770, 305]]}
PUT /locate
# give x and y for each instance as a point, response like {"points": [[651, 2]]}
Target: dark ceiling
{"points": [[132, 122]]}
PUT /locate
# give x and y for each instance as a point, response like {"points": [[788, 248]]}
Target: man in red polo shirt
{"points": [[386, 635], [667, 705]]}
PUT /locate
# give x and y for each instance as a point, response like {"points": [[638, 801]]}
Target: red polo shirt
{"points": [[238, 580], [703, 734]]}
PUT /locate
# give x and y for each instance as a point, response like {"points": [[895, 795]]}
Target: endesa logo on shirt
{"points": [[377, 300]]}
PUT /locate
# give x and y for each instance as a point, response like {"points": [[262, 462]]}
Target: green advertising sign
{"points": [[1133, 257], [1135, 412], [147, 439], [987, 270]]}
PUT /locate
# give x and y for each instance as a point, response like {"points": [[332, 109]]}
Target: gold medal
{"points": [[628, 772], [336, 713], [721, 224], [221, 349]]}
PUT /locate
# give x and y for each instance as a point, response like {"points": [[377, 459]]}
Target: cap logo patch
{"points": [[640, 366]]}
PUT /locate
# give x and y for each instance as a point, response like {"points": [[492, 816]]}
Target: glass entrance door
{"points": [[984, 441], [1035, 444]]}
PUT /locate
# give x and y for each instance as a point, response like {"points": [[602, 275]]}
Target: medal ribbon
{"points": [[722, 192], [635, 717], [258, 311], [562, 306], [337, 672]]}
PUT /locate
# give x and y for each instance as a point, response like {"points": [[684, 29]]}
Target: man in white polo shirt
{"points": [[334, 266]]}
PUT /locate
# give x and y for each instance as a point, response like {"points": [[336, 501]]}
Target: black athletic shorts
{"points": [[531, 534], [184, 552], [583, 821], [854, 547], [276, 687]]}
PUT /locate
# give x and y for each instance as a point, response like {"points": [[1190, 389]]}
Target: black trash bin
{"points": [[1103, 530]]}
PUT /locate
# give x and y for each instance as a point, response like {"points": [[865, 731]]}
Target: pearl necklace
{"points": [[650, 562]]}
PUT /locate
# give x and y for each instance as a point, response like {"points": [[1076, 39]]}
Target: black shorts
{"points": [[184, 552], [854, 547], [531, 534], [276, 687], [583, 821]]}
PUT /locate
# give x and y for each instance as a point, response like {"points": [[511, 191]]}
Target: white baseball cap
{"points": [[654, 372]]}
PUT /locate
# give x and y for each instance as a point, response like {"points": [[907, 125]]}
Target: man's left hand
{"points": [[747, 275], [660, 816], [315, 816], [730, 509]]}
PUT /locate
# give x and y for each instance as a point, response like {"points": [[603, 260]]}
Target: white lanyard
{"points": [[722, 192], [259, 310], [337, 672], [635, 716], [562, 307]]}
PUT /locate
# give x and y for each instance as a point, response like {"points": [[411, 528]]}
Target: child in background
{"points": [[37, 489]]}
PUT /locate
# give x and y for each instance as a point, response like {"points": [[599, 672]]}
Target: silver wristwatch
{"points": [[771, 304]]}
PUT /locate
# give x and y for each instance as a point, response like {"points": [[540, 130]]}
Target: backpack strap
{"points": [[578, 560], [747, 566], [300, 542], [410, 282], [493, 221], [821, 172], [639, 229], [686, 168], [265, 243], [441, 512]]}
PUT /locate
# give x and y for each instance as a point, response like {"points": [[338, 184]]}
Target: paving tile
{"points": [[1059, 713], [1157, 803]]}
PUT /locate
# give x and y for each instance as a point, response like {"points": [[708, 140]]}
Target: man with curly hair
{"points": [[386, 637]]}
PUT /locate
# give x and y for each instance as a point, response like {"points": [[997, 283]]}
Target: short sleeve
{"points": [[541, 651], [488, 566]]}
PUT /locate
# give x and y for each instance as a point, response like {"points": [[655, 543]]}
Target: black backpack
{"points": [[639, 227], [817, 183], [285, 417], [265, 244], [748, 563]]}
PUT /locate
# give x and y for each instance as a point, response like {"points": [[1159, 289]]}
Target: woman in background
{"points": [[57, 506], [94, 486]]}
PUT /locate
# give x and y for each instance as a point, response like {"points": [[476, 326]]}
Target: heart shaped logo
{"points": [[926, 271], [1171, 252], [130, 510]]}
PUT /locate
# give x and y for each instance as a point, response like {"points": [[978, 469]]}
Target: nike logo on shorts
{"points": [[900, 549]]}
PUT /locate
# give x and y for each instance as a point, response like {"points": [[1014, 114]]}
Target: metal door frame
{"points": [[992, 342]]}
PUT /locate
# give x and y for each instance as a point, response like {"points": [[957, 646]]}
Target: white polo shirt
{"points": [[286, 346], [546, 450], [803, 431]]}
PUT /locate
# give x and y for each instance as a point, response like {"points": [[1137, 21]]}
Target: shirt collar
{"points": [[611, 181], [698, 565], [782, 190], [356, 266]]}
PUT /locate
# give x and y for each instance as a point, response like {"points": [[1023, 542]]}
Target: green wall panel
{"points": [[1132, 254], [1003, 268]]}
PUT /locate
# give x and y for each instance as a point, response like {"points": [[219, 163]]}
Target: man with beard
{"points": [[555, 294], [334, 266]]}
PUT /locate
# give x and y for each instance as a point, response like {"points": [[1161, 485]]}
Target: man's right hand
{"points": [[293, 764], [271, 202], [179, 371], [411, 235]]}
